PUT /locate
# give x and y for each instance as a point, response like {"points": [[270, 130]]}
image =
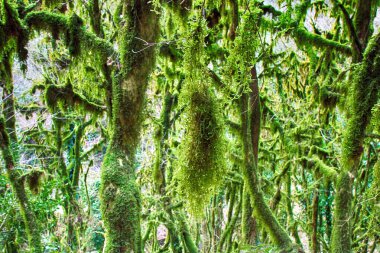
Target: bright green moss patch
{"points": [[201, 166], [201, 152], [120, 200], [46, 20], [363, 97]]}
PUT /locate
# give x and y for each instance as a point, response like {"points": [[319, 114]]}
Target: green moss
{"points": [[180, 7], [375, 122], [328, 99], [201, 152], [121, 203], [73, 39], [120, 195], [305, 37], [33, 179], [18, 189], [8, 90], [65, 97], [363, 96], [171, 51], [376, 174], [329, 172], [47, 21], [76, 34], [13, 34], [201, 167], [341, 235]]}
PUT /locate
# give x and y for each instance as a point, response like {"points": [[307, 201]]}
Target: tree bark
{"points": [[120, 195], [8, 146], [364, 95], [250, 119]]}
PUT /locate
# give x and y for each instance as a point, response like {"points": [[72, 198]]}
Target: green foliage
{"points": [[303, 165]]}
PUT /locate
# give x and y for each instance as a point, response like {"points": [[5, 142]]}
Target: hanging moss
{"points": [[33, 179], [328, 99], [72, 37], [65, 97], [13, 34], [181, 7], [200, 162], [76, 34], [201, 151]]}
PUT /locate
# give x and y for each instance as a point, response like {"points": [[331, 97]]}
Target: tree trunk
{"points": [[8, 145], [364, 95], [250, 118], [120, 195]]}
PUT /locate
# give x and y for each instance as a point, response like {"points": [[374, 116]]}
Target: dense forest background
{"points": [[189, 126]]}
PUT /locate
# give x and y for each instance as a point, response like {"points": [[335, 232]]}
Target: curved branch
{"points": [[61, 24]]}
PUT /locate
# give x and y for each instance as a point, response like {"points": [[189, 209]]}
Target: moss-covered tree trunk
{"points": [[363, 96], [8, 146], [249, 230], [120, 195], [250, 120]]}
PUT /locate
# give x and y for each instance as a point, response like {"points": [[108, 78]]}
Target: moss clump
{"points": [[72, 28], [201, 165], [328, 99], [45, 20], [65, 97], [33, 179], [13, 34], [72, 37]]}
